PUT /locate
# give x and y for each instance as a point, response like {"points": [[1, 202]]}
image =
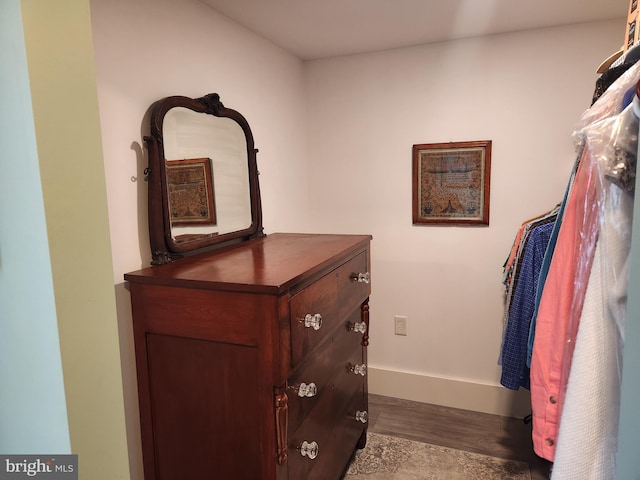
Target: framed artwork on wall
{"points": [[451, 183]]}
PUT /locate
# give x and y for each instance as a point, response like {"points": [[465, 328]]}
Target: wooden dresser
{"points": [[252, 359]]}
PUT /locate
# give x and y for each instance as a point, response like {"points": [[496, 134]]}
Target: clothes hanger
{"points": [[604, 66], [631, 55], [542, 215]]}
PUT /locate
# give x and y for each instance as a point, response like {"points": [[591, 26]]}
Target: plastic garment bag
{"points": [[586, 443]]}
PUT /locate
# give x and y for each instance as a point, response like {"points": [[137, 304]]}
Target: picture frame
{"points": [[451, 183], [190, 192]]}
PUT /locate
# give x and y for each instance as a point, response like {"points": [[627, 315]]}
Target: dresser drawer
{"points": [[318, 309], [319, 372], [332, 427]]}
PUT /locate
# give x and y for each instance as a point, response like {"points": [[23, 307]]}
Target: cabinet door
{"points": [[204, 408]]}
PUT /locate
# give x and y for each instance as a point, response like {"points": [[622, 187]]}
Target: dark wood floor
{"points": [[502, 437]]}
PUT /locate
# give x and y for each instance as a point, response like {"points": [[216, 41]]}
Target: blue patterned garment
{"points": [[515, 373]]}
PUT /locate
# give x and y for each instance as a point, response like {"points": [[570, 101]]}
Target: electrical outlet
{"points": [[400, 325]]}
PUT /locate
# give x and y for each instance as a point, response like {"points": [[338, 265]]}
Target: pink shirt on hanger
{"points": [[561, 305]]}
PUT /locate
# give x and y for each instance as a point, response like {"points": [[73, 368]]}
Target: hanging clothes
{"points": [[535, 238], [546, 261], [561, 300], [570, 270], [587, 439], [513, 264], [618, 87]]}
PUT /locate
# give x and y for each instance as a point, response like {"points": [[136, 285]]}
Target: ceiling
{"points": [[312, 29]]}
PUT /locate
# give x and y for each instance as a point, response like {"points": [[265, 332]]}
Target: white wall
{"points": [[525, 92]]}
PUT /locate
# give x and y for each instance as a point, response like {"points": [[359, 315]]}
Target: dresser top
{"points": [[271, 264]]}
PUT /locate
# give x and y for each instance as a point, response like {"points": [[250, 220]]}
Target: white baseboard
{"points": [[477, 397]]}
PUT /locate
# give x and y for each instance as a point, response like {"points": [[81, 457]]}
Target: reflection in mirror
{"points": [[203, 178], [190, 195], [193, 137]]}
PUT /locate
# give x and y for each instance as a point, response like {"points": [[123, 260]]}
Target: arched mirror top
{"points": [[203, 178]]}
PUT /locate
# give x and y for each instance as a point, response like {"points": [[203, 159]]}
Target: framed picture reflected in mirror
{"points": [[191, 193]]}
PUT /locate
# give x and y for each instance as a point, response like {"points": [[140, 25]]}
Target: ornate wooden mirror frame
{"points": [[214, 134]]}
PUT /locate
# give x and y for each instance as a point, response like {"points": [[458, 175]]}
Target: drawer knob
{"points": [[360, 277], [361, 416], [358, 327], [313, 321], [309, 449], [306, 389], [357, 369]]}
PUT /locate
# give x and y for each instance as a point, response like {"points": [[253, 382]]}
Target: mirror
{"points": [[203, 178]]}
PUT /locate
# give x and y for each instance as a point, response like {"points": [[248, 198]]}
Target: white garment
{"points": [[587, 439]]}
